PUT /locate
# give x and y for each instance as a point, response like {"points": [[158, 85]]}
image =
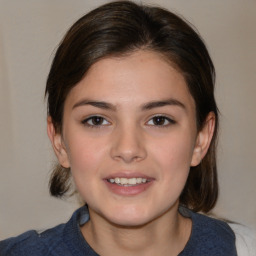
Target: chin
{"points": [[129, 217], [129, 222]]}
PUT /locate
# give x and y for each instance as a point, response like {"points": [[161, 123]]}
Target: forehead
{"points": [[139, 77]]}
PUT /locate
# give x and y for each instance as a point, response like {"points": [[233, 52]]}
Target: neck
{"points": [[166, 235]]}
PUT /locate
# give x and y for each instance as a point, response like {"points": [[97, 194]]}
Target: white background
{"points": [[30, 30]]}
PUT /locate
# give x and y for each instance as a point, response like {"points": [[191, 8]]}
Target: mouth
{"points": [[128, 182]]}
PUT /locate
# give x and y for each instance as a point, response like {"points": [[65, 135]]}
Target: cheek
{"points": [[175, 169], [85, 155], [176, 149], [174, 155]]}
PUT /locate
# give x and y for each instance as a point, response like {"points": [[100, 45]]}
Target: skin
{"points": [[128, 140]]}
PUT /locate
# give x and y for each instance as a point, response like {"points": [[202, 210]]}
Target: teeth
{"points": [[132, 181], [139, 180], [117, 180], [128, 182], [124, 181]]}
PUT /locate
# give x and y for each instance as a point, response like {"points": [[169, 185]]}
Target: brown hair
{"points": [[119, 28]]}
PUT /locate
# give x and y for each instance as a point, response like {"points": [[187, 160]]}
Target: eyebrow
{"points": [[162, 103], [144, 107], [97, 104]]}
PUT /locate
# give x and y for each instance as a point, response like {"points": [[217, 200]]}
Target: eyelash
{"points": [[102, 119], [86, 122], [164, 118]]}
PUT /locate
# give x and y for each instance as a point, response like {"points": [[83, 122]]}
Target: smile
{"points": [[128, 181]]}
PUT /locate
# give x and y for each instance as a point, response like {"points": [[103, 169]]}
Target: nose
{"points": [[128, 144]]}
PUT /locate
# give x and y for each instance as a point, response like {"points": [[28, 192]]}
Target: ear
{"points": [[203, 140], [57, 144]]}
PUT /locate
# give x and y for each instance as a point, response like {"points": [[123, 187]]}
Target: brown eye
{"points": [[95, 121], [160, 121]]}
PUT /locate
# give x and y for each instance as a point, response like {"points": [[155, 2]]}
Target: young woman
{"points": [[133, 122]]}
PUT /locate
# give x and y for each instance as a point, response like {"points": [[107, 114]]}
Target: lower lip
{"points": [[128, 190]]}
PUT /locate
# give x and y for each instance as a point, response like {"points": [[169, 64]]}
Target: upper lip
{"points": [[128, 175]]}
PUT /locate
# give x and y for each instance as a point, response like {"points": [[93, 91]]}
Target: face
{"points": [[130, 137]]}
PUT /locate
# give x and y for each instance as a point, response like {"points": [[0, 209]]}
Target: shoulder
{"points": [[208, 226], [245, 239], [23, 244], [217, 232], [64, 239], [210, 237], [32, 243], [214, 227]]}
